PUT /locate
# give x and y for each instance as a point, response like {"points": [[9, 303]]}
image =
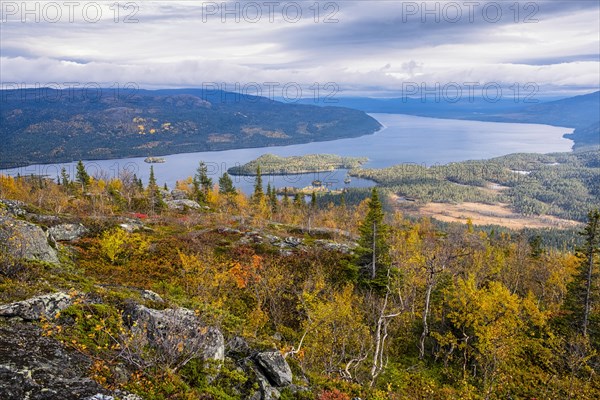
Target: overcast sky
{"points": [[365, 47]]}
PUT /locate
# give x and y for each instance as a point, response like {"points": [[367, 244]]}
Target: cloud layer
{"points": [[365, 47]]}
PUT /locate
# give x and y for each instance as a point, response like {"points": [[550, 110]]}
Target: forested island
{"points": [[271, 164]]}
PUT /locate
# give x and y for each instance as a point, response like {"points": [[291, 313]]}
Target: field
{"points": [[497, 214]]}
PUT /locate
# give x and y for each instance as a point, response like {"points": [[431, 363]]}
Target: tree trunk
{"points": [[373, 262], [425, 315]]}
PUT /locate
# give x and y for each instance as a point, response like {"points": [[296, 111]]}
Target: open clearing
{"points": [[487, 214], [497, 214]]}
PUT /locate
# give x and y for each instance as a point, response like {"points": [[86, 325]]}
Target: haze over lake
{"points": [[404, 139]]}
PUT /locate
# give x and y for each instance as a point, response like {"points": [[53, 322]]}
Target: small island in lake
{"points": [[271, 164], [154, 160]]}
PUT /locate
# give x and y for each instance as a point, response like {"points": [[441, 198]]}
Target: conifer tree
{"points": [[286, 200], [82, 176], [258, 186], [153, 192], [272, 195], [226, 184], [299, 200], [202, 183], [373, 253], [580, 305]]}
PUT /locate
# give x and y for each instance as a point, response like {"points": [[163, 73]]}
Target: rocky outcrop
{"points": [[67, 232], [176, 328], [36, 367], [177, 194], [13, 207], [25, 240], [131, 225], [118, 395], [274, 367], [37, 307], [151, 296], [289, 243], [183, 204]]}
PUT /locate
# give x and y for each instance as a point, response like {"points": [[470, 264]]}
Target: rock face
{"points": [[25, 240], [177, 328], [177, 194], [67, 232], [275, 368], [182, 204], [36, 367], [33, 309]]}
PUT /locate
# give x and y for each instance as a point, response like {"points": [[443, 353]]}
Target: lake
{"points": [[404, 139]]}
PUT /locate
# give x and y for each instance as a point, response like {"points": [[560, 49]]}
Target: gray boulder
{"points": [[293, 241], [36, 367], [67, 232], [117, 395], [177, 194], [182, 205], [33, 309], [275, 368], [176, 328], [152, 296], [25, 240], [132, 225]]}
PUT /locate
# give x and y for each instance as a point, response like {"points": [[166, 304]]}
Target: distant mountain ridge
{"points": [[49, 126], [579, 112]]}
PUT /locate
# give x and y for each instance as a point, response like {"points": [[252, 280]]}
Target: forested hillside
{"points": [[561, 184], [294, 299], [49, 126]]}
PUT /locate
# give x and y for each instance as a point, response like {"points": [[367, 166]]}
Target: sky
{"points": [[347, 48]]}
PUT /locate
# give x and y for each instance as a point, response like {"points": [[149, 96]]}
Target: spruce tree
{"points": [[299, 200], [65, 178], [82, 176], [272, 196], [286, 199], [226, 184], [258, 186], [153, 192], [202, 183], [373, 252], [580, 313]]}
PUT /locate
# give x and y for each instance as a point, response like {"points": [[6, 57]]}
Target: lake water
{"points": [[404, 139]]}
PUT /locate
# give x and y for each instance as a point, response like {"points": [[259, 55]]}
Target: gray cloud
{"points": [[375, 45]]}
